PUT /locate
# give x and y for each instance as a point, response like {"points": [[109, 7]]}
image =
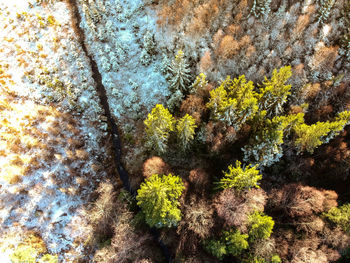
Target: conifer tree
{"points": [[233, 102], [261, 8], [265, 147], [217, 248], [200, 82], [231, 242], [340, 216], [235, 242], [159, 124], [185, 130], [273, 93], [261, 226], [240, 178], [158, 198], [179, 80], [179, 71], [325, 9], [310, 137]]}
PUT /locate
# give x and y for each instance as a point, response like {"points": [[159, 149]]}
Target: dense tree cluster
{"points": [[241, 219]]}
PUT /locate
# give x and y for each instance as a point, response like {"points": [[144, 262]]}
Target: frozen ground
{"points": [[119, 34], [51, 129]]}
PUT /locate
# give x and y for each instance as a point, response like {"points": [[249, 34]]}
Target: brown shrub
{"points": [[264, 249], [299, 201], [127, 245], [217, 37], [310, 91], [234, 208], [198, 217], [336, 238], [203, 17], [199, 179], [174, 12], [324, 58], [234, 30], [217, 135], [103, 213], [206, 62], [228, 47], [331, 254], [194, 106], [302, 23], [309, 255], [310, 225], [295, 109], [250, 51], [155, 165], [244, 41], [231, 208]]}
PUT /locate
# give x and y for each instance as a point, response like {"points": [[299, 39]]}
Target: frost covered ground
{"points": [[120, 36], [52, 131]]}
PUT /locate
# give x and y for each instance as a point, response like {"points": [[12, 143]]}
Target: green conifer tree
{"points": [[240, 178], [235, 242], [265, 147], [158, 198], [260, 227], [310, 137], [273, 93], [216, 248], [200, 82], [230, 242], [185, 128], [233, 102], [159, 124], [340, 216]]}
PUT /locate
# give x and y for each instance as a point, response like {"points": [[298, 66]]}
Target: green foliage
{"points": [[185, 130], [28, 254], [253, 259], [200, 82], [24, 254], [233, 102], [216, 248], [48, 259], [158, 198], [240, 178], [276, 259], [159, 124], [265, 147], [235, 242], [340, 216], [289, 122], [261, 226], [324, 10], [231, 242], [310, 137], [273, 93]]}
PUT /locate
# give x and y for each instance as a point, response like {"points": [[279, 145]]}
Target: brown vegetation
{"points": [[155, 165], [234, 207], [296, 200]]}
